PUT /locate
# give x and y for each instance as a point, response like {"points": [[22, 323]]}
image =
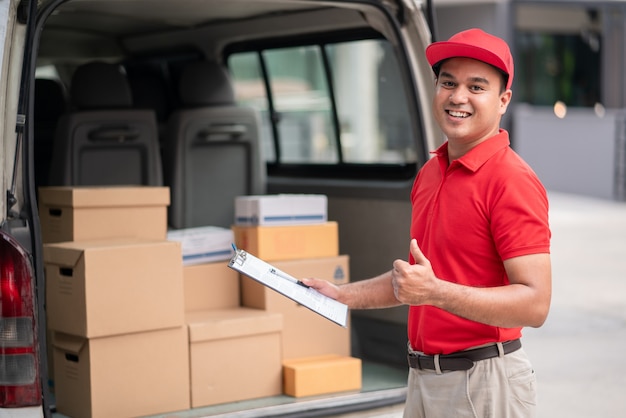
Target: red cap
{"points": [[476, 44]]}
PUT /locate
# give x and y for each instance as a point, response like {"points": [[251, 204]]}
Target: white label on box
{"points": [[204, 244]]}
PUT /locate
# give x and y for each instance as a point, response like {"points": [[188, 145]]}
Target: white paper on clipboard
{"points": [[283, 283]]}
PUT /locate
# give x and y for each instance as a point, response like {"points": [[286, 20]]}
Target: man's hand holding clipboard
{"points": [[289, 286]]}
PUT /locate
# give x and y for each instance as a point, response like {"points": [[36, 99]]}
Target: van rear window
{"points": [[329, 104]]}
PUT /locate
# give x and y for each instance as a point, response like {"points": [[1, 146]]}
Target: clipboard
{"points": [[289, 286]]}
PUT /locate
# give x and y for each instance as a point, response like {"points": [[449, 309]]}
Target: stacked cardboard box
{"points": [[281, 209], [321, 374], [235, 355], [305, 333], [221, 331], [88, 213], [114, 301], [302, 250], [222, 337], [133, 320]]}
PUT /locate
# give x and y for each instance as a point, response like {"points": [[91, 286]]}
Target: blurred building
{"points": [[569, 101]]}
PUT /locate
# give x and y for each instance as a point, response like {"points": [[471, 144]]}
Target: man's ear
{"points": [[505, 99]]}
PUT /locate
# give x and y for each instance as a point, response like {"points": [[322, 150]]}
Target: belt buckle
{"points": [[414, 360]]}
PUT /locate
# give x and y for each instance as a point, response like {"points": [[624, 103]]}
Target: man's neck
{"points": [[458, 148]]}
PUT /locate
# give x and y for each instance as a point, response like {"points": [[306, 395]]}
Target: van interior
{"points": [[221, 98]]}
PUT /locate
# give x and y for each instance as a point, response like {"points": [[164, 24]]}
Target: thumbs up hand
{"points": [[413, 283]]}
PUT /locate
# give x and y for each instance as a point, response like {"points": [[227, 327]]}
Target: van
{"points": [[213, 99]]}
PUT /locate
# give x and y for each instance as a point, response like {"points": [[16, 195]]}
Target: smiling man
{"points": [[479, 265]]}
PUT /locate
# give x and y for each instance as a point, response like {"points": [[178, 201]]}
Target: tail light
{"points": [[19, 371]]}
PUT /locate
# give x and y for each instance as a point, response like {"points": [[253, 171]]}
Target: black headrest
{"points": [[206, 84], [99, 85], [50, 100]]}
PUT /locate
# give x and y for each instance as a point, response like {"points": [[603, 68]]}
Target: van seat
{"points": [[212, 151], [50, 104], [102, 140]]}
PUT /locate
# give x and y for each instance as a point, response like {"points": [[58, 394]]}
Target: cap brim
{"points": [[439, 51]]}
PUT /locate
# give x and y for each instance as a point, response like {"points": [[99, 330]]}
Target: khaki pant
{"points": [[501, 387]]}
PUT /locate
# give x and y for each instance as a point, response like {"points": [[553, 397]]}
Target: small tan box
{"points": [[128, 375], [321, 375], [210, 286], [302, 327], [90, 213], [272, 243], [235, 355], [102, 288]]}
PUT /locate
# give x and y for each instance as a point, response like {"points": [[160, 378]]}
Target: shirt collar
{"points": [[478, 155]]}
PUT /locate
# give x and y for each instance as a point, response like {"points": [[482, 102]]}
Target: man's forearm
{"points": [[373, 293], [509, 306]]}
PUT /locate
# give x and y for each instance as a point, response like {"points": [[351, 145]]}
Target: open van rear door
{"points": [[23, 374]]}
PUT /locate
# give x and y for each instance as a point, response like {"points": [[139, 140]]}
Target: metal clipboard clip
{"points": [[239, 258]]}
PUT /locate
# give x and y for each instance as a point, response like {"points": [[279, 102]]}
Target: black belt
{"points": [[462, 360]]}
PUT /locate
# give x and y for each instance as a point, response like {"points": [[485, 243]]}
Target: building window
{"points": [[558, 56]]}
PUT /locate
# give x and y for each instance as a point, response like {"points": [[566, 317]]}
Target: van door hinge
{"points": [[20, 122]]}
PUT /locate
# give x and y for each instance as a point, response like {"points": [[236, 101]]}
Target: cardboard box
{"points": [[234, 354], [101, 288], [321, 375], [204, 244], [90, 213], [272, 243], [210, 286], [122, 376], [281, 209], [305, 333]]}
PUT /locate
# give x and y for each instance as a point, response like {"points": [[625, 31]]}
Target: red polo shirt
{"points": [[468, 216]]}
